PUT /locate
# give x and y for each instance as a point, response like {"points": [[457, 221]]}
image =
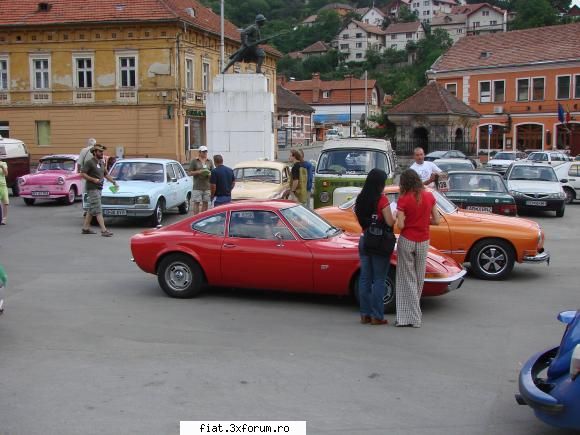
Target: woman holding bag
{"points": [[373, 267], [416, 209]]}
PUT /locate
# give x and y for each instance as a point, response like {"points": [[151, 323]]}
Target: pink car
{"points": [[56, 177]]}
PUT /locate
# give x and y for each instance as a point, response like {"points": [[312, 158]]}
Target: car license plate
{"points": [[115, 212], [538, 203], [479, 208], [40, 193]]}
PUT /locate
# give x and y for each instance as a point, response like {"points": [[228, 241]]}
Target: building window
{"points": [[3, 74], [344, 46], [476, 24], [42, 132], [205, 77], [498, 91], [523, 89], [325, 94], [538, 88], [128, 71], [359, 45], [189, 73], [410, 35], [41, 73], [563, 87], [577, 86], [393, 36], [459, 30], [359, 35], [493, 23], [84, 72], [426, 3], [345, 36], [485, 92], [359, 56], [451, 88], [485, 13]]}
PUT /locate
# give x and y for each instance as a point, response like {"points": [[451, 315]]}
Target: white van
{"points": [[14, 152]]}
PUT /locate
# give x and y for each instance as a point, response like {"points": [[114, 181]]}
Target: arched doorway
{"points": [[529, 137], [568, 135], [421, 138], [496, 137], [458, 136]]}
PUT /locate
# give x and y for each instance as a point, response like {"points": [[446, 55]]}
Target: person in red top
{"points": [[373, 268], [416, 210]]}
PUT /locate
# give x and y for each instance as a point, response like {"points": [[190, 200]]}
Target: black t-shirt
{"points": [[96, 169], [223, 178]]}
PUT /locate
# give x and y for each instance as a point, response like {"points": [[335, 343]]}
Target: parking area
{"points": [[90, 344]]}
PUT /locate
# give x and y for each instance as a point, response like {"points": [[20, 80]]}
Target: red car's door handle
{"points": [[229, 245]]}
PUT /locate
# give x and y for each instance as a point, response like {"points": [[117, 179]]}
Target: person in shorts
{"points": [[95, 173], [200, 169], [3, 192]]}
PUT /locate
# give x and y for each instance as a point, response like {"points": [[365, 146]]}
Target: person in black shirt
{"points": [[221, 182]]}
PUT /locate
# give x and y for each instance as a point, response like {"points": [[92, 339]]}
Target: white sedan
{"points": [[570, 173]]}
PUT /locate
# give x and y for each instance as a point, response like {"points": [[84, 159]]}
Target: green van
{"points": [[345, 163]]}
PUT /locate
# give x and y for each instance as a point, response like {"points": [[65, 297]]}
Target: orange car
{"points": [[490, 243]]}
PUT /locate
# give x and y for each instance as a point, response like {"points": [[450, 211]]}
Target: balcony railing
{"points": [[405, 148]]}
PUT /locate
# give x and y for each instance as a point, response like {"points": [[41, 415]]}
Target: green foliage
{"points": [[534, 13], [406, 15]]}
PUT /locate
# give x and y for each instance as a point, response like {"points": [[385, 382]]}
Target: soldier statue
{"points": [[249, 51]]}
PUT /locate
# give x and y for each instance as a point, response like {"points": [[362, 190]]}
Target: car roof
{"points": [[378, 144], [245, 204], [147, 160], [60, 156], [475, 171], [261, 164], [452, 160], [531, 163]]}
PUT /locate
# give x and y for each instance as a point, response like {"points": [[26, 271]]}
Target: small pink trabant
{"points": [[57, 177]]}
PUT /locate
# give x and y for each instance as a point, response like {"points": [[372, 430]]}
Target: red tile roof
{"points": [[433, 99], [304, 87], [369, 28], [474, 7], [520, 47], [403, 27], [317, 47], [26, 13], [288, 100]]}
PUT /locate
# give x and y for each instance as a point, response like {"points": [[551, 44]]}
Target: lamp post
{"points": [[222, 55], [350, 105]]}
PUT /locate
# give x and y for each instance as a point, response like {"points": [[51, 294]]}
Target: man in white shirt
{"points": [[427, 170]]}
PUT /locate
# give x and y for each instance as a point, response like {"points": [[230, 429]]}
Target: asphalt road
{"points": [[89, 344]]}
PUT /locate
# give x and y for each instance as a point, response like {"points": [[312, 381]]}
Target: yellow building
{"points": [[131, 73]]}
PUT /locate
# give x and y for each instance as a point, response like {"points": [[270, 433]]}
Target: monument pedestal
{"points": [[240, 118]]}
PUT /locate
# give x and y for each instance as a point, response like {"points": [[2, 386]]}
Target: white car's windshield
{"points": [[308, 224], [138, 171], [56, 165], [262, 175], [534, 173], [504, 156], [351, 161]]}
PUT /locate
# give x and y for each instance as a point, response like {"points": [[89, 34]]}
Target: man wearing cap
{"points": [[95, 173], [200, 169]]}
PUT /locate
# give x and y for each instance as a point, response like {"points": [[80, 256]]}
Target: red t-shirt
{"points": [[383, 202], [417, 215]]}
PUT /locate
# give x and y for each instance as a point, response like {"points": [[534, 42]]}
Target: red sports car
{"points": [[273, 245]]}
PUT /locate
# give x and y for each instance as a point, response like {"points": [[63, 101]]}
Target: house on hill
{"points": [[398, 35], [356, 38]]}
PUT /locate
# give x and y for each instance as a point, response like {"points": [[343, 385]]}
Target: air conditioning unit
{"points": [[497, 109]]}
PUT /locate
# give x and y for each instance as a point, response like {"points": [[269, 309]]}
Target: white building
{"points": [[356, 38], [482, 18], [427, 9], [372, 16], [454, 24], [398, 35]]}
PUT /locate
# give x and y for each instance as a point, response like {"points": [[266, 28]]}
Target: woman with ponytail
{"points": [[416, 209]]}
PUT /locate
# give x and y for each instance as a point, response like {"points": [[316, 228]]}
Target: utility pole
{"points": [[222, 48], [350, 105]]}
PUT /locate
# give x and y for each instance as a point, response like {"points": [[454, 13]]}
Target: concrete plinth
{"points": [[239, 116]]}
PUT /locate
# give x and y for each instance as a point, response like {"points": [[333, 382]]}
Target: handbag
{"points": [[379, 238]]}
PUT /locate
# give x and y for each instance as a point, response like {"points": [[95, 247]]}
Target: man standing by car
{"points": [[95, 173], [310, 168], [200, 169], [427, 171], [221, 182], [299, 178]]}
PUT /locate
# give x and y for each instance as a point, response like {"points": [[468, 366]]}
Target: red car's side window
{"points": [[214, 225]]}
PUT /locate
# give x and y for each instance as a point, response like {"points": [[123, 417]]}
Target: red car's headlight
{"points": [[60, 180], [21, 181]]}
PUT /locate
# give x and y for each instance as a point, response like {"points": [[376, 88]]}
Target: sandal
{"points": [[106, 233], [89, 231]]}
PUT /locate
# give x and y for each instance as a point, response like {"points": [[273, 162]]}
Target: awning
{"points": [[338, 118]]}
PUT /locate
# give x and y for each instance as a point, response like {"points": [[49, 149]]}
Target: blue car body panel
{"points": [[546, 386]]}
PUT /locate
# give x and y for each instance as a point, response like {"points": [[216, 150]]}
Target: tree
{"points": [[534, 13], [406, 15]]}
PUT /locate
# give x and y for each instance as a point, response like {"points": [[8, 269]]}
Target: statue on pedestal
{"points": [[249, 51]]}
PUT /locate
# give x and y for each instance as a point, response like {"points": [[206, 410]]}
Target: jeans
{"points": [[372, 283], [219, 200]]}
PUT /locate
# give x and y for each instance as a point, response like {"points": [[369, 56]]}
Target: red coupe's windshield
{"points": [[308, 224]]}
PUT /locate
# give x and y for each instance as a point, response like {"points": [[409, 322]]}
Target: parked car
{"points": [[548, 381], [450, 154], [15, 154], [346, 162], [502, 160], [536, 187], [256, 244], [485, 192], [569, 175], [147, 188], [56, 177], [261, 179], [489, 242], [447, 165], [551, 157]]}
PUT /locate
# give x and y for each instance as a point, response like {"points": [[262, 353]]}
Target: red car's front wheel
{"points": [[180, 276]]}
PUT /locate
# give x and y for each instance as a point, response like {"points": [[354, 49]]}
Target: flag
{"points": [[568, 117], [561, 114]]}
